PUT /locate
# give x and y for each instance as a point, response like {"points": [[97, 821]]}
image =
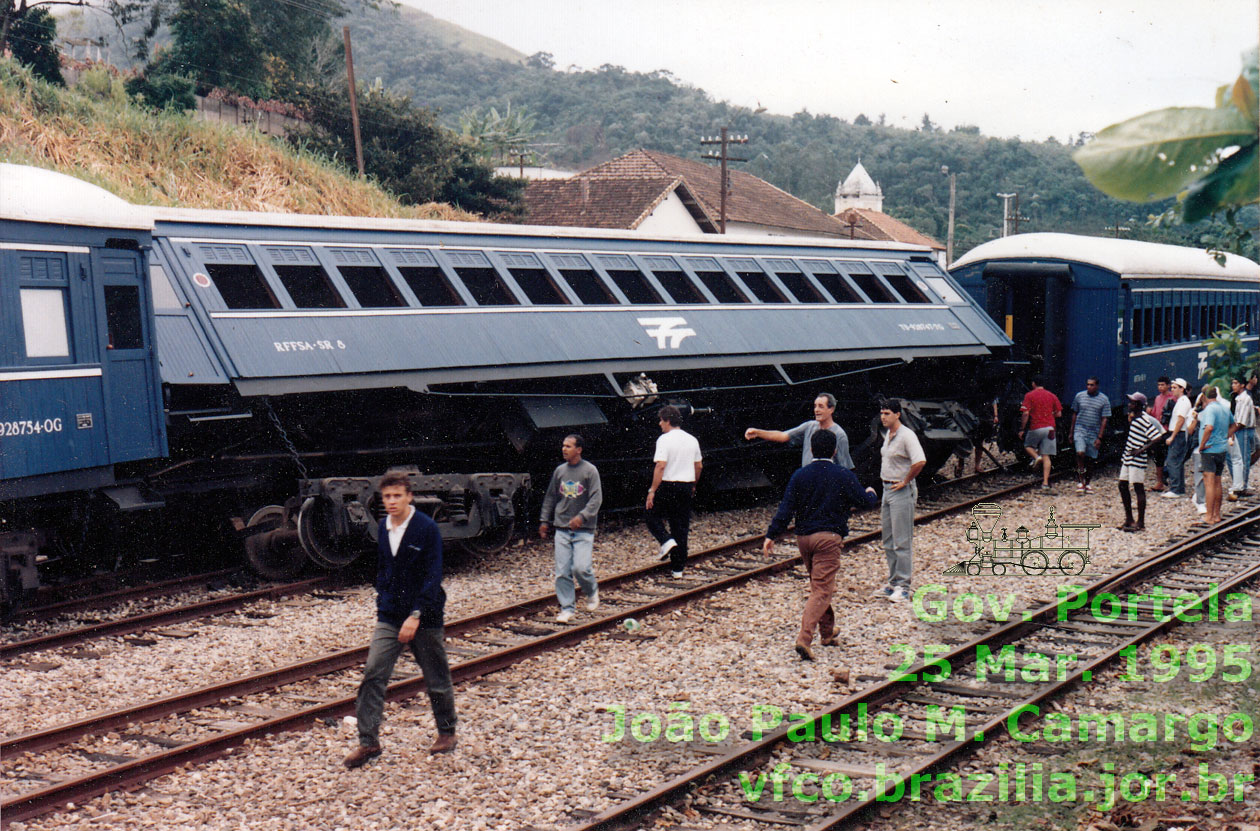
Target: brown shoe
{"points": [[361, 756], [445, 743], [805, 652], [831, 640], [1233, 497]]}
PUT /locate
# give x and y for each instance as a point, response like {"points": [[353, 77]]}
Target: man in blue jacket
{"points": [[409, 610], [819, 496]]}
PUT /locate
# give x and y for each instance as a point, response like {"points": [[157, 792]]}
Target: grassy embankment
{"points": [[94, 132]]}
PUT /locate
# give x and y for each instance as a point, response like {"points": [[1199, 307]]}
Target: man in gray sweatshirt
{"points": [[571, 504]]}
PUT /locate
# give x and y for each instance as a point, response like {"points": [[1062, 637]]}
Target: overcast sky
{"points": [[1012, 67]]}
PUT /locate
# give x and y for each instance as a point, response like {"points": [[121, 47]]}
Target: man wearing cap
{"points": [[1175, 467], [901, 459], [1090, 411], [1243, 431], [1144, 431]]}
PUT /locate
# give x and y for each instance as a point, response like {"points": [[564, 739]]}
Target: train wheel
{"points": [[1072, 562], [1034, 563], [973, 569], [491, 542], [276, 556], [315, 533], [999, 569]]}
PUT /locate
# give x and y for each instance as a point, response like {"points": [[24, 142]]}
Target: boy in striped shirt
{"points": [[1143, 432]]}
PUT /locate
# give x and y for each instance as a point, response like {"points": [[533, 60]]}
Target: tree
{"points": [[218, 45], [31, 37], [861, 121], [1209, 158], [494, 136], [1226, 357]]}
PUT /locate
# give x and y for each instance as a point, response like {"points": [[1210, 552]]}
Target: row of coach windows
{"points": [[1171, 317], [470, 278]]}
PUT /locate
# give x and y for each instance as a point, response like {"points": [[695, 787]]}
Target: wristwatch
{"points": [[415, 614]]}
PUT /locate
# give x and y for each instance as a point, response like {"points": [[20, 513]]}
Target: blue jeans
{"points": [[1240, 466], [896, 517], [430, 653], [573, 559], [1175, 467]]}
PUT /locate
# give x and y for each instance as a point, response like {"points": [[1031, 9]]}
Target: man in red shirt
{"points": [[1162, 409], [1038, 414]]}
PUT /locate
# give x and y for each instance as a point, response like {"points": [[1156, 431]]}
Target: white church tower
{"points": [[859, 190]]}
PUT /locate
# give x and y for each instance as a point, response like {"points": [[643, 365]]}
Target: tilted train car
{"points": [[1123, 310], [269, 367]]}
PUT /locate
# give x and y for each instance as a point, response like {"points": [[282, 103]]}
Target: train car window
{"points": [[164, 296], [1176, 321], [430, 286], [872, 287], [1185, 323], [1148, 326], [1161, 334], [635, 286], [539, 287], [44, 323], [679, 287], [1137, 335], [905, 287], [720, 286], [800, 286], [309, 287], [759, 284], [943, 289], [486, 287], [588, 287], [122, 317], [242, 286], [838, 287], [371, 286]]}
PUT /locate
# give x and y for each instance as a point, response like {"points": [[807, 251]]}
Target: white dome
{"points": [[859, 183], [32, 194]]}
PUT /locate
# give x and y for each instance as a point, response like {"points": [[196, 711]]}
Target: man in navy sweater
{"points": [[819, 496], [409, 610]]}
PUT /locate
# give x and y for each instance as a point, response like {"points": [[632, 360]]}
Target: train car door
{"points": [[1028, 300], [133, 401]]}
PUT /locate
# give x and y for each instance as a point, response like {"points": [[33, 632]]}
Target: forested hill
{"points": [[583, 117]]}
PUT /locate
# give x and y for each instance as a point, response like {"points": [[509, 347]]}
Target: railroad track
{"points": [[477, 645], [889, 739]]}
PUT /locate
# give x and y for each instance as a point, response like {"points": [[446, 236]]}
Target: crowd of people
{"points": [[1211, 434]]}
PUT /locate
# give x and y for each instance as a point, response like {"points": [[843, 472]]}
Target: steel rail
{"points": [[95, 601], [131, 774], [631, 811], [164, 617]]}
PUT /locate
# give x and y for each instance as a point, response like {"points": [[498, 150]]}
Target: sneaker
{"points": [[899, 595], [1045, 487], [593, 603], [1089, 489], [1080, 487], [666, 547], [676, 574], [883, 593], [564, 617], [1034, 462], [1171, 495]]}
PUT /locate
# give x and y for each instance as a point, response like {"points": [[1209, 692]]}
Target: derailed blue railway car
{"points": [[1125, 311], [299, 356]]}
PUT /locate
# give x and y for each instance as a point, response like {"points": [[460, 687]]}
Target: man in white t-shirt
{"points": [[1177, 441], [674, 479]]}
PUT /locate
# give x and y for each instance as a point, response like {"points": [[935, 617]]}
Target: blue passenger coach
{"points": [[299, 356], [1123, 310]]}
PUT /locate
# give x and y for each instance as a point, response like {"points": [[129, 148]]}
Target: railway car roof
{"points": [[33, 194], [1127, 258]]}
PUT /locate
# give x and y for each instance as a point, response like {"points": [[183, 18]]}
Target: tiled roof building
{"points": [[657, 192]]}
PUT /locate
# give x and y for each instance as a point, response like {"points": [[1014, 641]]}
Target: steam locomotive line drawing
{"points": [[1063, 547]]}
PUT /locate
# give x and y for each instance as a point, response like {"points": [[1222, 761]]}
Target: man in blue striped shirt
{"points": [[1090, 411]]}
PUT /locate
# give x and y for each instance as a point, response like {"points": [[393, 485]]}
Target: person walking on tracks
{"points": [[818, 498], [901, 460], [571, 504], [1038, 414], [410, 604], [1090, 411], [1144, 433], [824, 410], [674, 478]]}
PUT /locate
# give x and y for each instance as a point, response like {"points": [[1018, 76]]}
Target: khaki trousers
{"points": [[821, 553]]}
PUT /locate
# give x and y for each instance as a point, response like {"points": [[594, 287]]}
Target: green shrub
{"points": [[163, 92]]}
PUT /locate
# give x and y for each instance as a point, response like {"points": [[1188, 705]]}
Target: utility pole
{"points": [[1119, 228], [723, 156], [949, 240], [354, 101], [1011, 217]]}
